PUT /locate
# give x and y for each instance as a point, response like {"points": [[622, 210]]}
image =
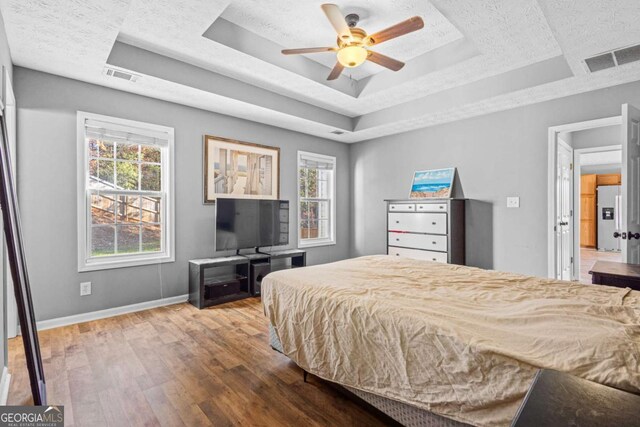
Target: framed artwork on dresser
{"points": [[434, 183], [240, 170]]}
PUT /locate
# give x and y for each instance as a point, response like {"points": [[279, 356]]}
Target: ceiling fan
{"points": [[353, 42]]}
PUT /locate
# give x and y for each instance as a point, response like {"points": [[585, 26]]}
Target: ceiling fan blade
{"points": [[385, 61], [336, 18], [400, 29], [307, 50], [335, 73]]}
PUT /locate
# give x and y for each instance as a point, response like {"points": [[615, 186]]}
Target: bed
{"points": [[458, 345]]}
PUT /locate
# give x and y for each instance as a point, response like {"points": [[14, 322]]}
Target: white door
{"points": [[564, 226], [630, 219]]}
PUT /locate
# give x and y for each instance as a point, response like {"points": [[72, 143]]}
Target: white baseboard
{"points": [[110, 312], [5, 381]]}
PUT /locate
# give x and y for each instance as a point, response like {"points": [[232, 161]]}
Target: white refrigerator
{"points": [[609, 221]]}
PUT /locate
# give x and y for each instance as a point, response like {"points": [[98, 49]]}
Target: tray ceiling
{"points": [[304, 25], [473, 57]]}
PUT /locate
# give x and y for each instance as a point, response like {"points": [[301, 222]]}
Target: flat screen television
{"points": [[246, 223]]}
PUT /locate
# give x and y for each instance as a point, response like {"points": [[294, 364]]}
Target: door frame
{"points": [[551, 185], [577, 173]]}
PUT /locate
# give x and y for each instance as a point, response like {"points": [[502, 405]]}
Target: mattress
{"points": [[461, 342], [407, 415]]}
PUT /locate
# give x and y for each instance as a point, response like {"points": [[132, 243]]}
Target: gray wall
{"points": [[598, 137], [47, 108], [497, 155]]}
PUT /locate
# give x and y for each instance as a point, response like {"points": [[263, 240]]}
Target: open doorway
{"points": [[573, 234], [620, 211], [598, 185]]}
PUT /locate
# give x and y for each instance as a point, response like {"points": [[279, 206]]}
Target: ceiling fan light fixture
{"points": [[352, 56]]}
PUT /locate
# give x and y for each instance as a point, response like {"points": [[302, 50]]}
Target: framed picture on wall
{"points": [[434, 183], [240, 170]]}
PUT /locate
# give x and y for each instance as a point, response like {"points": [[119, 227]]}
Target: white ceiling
{"points": [[473, 57], [601, 158]]}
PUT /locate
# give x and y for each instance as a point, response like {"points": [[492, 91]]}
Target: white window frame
{"points": [[331, 240], [85, 261]]}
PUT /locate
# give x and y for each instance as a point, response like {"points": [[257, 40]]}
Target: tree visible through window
{"points": [[127, 192], [128, 218], [316, 190]]}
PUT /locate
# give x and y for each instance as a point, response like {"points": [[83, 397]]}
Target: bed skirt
{"points": [[406, 415]]}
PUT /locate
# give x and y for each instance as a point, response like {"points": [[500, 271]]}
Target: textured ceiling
{"points": [[75, 38], [305, 25], [586, 28]]}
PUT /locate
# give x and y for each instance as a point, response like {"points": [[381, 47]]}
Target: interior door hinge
{"points": [[570, 166], [571, 260]]}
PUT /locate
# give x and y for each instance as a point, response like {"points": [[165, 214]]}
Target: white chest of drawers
{"points": [[431, 230]]}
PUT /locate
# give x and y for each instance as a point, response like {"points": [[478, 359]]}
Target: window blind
{"points": [[310, 162], [124, 134]]}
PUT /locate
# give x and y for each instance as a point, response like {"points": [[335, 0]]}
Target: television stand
{"points": [[298, 257], [214, 281]]}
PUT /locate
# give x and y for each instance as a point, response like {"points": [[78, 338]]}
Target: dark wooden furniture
{"points": [[297, 258], [262, 263], [218, 280], [617, 274], [214, 281], [259, 267], [427, 229], [559, 399]]}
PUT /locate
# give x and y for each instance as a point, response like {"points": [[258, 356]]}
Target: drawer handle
{"points": [[434, 243], [433, 223], [397, 240], [397, 254], [397, 222], [433, 259]]}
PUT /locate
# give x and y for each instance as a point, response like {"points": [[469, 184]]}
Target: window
{"points": [[125, 193], [316, 199]]}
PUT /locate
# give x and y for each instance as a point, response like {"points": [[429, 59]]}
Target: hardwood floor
{"points": [[179, 366], [588, 257]]}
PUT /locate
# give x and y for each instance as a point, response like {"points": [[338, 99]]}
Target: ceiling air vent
{"points": [[627, 55], [613, 59], [337, 132], [112, 72], [600, 62]]}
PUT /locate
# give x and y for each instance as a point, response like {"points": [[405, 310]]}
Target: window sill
{"points": [[107, 264], [315, 244]]}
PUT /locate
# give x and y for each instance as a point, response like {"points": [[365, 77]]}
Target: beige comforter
{"points": [[459, 341]]}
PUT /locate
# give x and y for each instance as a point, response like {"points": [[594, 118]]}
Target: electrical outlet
{"points": [[513, 202], [85, 288]]}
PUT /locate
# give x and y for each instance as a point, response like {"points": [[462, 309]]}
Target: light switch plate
{"points": [[85, 289], [513, 202]]}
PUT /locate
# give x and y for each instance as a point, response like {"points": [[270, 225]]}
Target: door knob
{"points": [[616, 234], [564, 223], [633, 235]]}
